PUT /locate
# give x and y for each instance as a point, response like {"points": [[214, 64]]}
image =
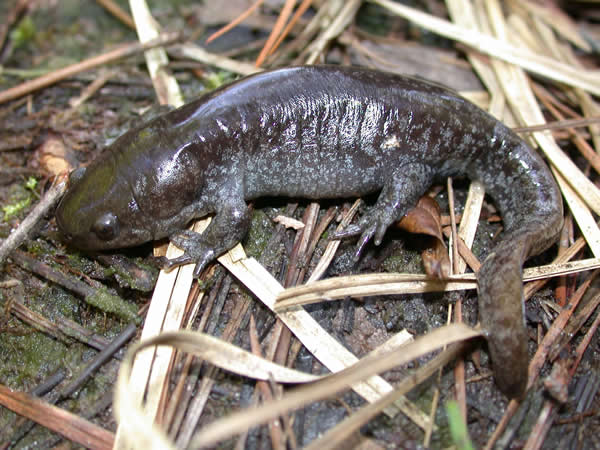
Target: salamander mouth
{"points": [[66, 236]]}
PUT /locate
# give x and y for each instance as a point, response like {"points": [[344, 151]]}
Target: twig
{"points": [[56, 419], [96, 61], [301, 10], [16, 12], [285, 13], [235, 22], [99, 360], [118, 12], [99, 298], [559, 125], [554, 332], [21, 425], [18, 236]]}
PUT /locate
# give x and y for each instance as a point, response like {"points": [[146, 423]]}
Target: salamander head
{"points": [[146, 186], [97, 213]]}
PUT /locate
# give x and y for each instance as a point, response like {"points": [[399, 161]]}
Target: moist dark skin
{"points": [[321, 132]]}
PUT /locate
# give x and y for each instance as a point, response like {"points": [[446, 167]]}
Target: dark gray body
{"points": [[321, 132]]}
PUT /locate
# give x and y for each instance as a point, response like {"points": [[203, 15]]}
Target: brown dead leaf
{"points": [[557, 382], [54, 157], [425, 218], [289, 222]]}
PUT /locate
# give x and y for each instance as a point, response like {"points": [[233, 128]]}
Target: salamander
{"points": [[321, 132]]}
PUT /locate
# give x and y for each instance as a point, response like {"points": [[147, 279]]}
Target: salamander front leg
{"points": [[226, 229], [400, 193]]}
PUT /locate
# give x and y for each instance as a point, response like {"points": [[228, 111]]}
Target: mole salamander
{"points": [[321, 132]]}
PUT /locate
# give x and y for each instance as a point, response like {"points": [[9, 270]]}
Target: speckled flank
{"points": [[321, 132]]}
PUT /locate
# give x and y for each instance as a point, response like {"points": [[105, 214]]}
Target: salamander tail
{"points": [[501, 305]]}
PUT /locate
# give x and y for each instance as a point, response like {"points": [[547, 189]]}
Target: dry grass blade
{"points": [[321, 344], [404, 283], [143, 433], [584, 218], [329, 386], [558, 20], [71, 426], [470, 218], [196, 53], [341, 20], [390, 283], [342, 431], [546, 67], [332, 246], [224, 355], [165, 85], [151, 365], [559, 124]]}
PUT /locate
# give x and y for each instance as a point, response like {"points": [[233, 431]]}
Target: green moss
{"points": [[20, 197], [40, 248], [15, 208], [31, 184], [128, 278], [22, 367], [404, 261], [261, 229], [217, 79], [107, 302], [23, 33]]}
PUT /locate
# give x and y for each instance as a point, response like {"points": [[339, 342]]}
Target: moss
{"points": [[19, 198], [55, 303], [261, 229], [129, 278], [22, 366], [23, 33], [402, 260], [81, 263], [15, 208], [107, 302], [40, 248], [217, 79]]}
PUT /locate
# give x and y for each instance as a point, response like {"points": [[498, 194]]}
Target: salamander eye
{"points": [[106, 227]]}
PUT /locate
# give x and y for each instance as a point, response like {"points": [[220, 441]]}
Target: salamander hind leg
{"points": [[399, 194]]}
